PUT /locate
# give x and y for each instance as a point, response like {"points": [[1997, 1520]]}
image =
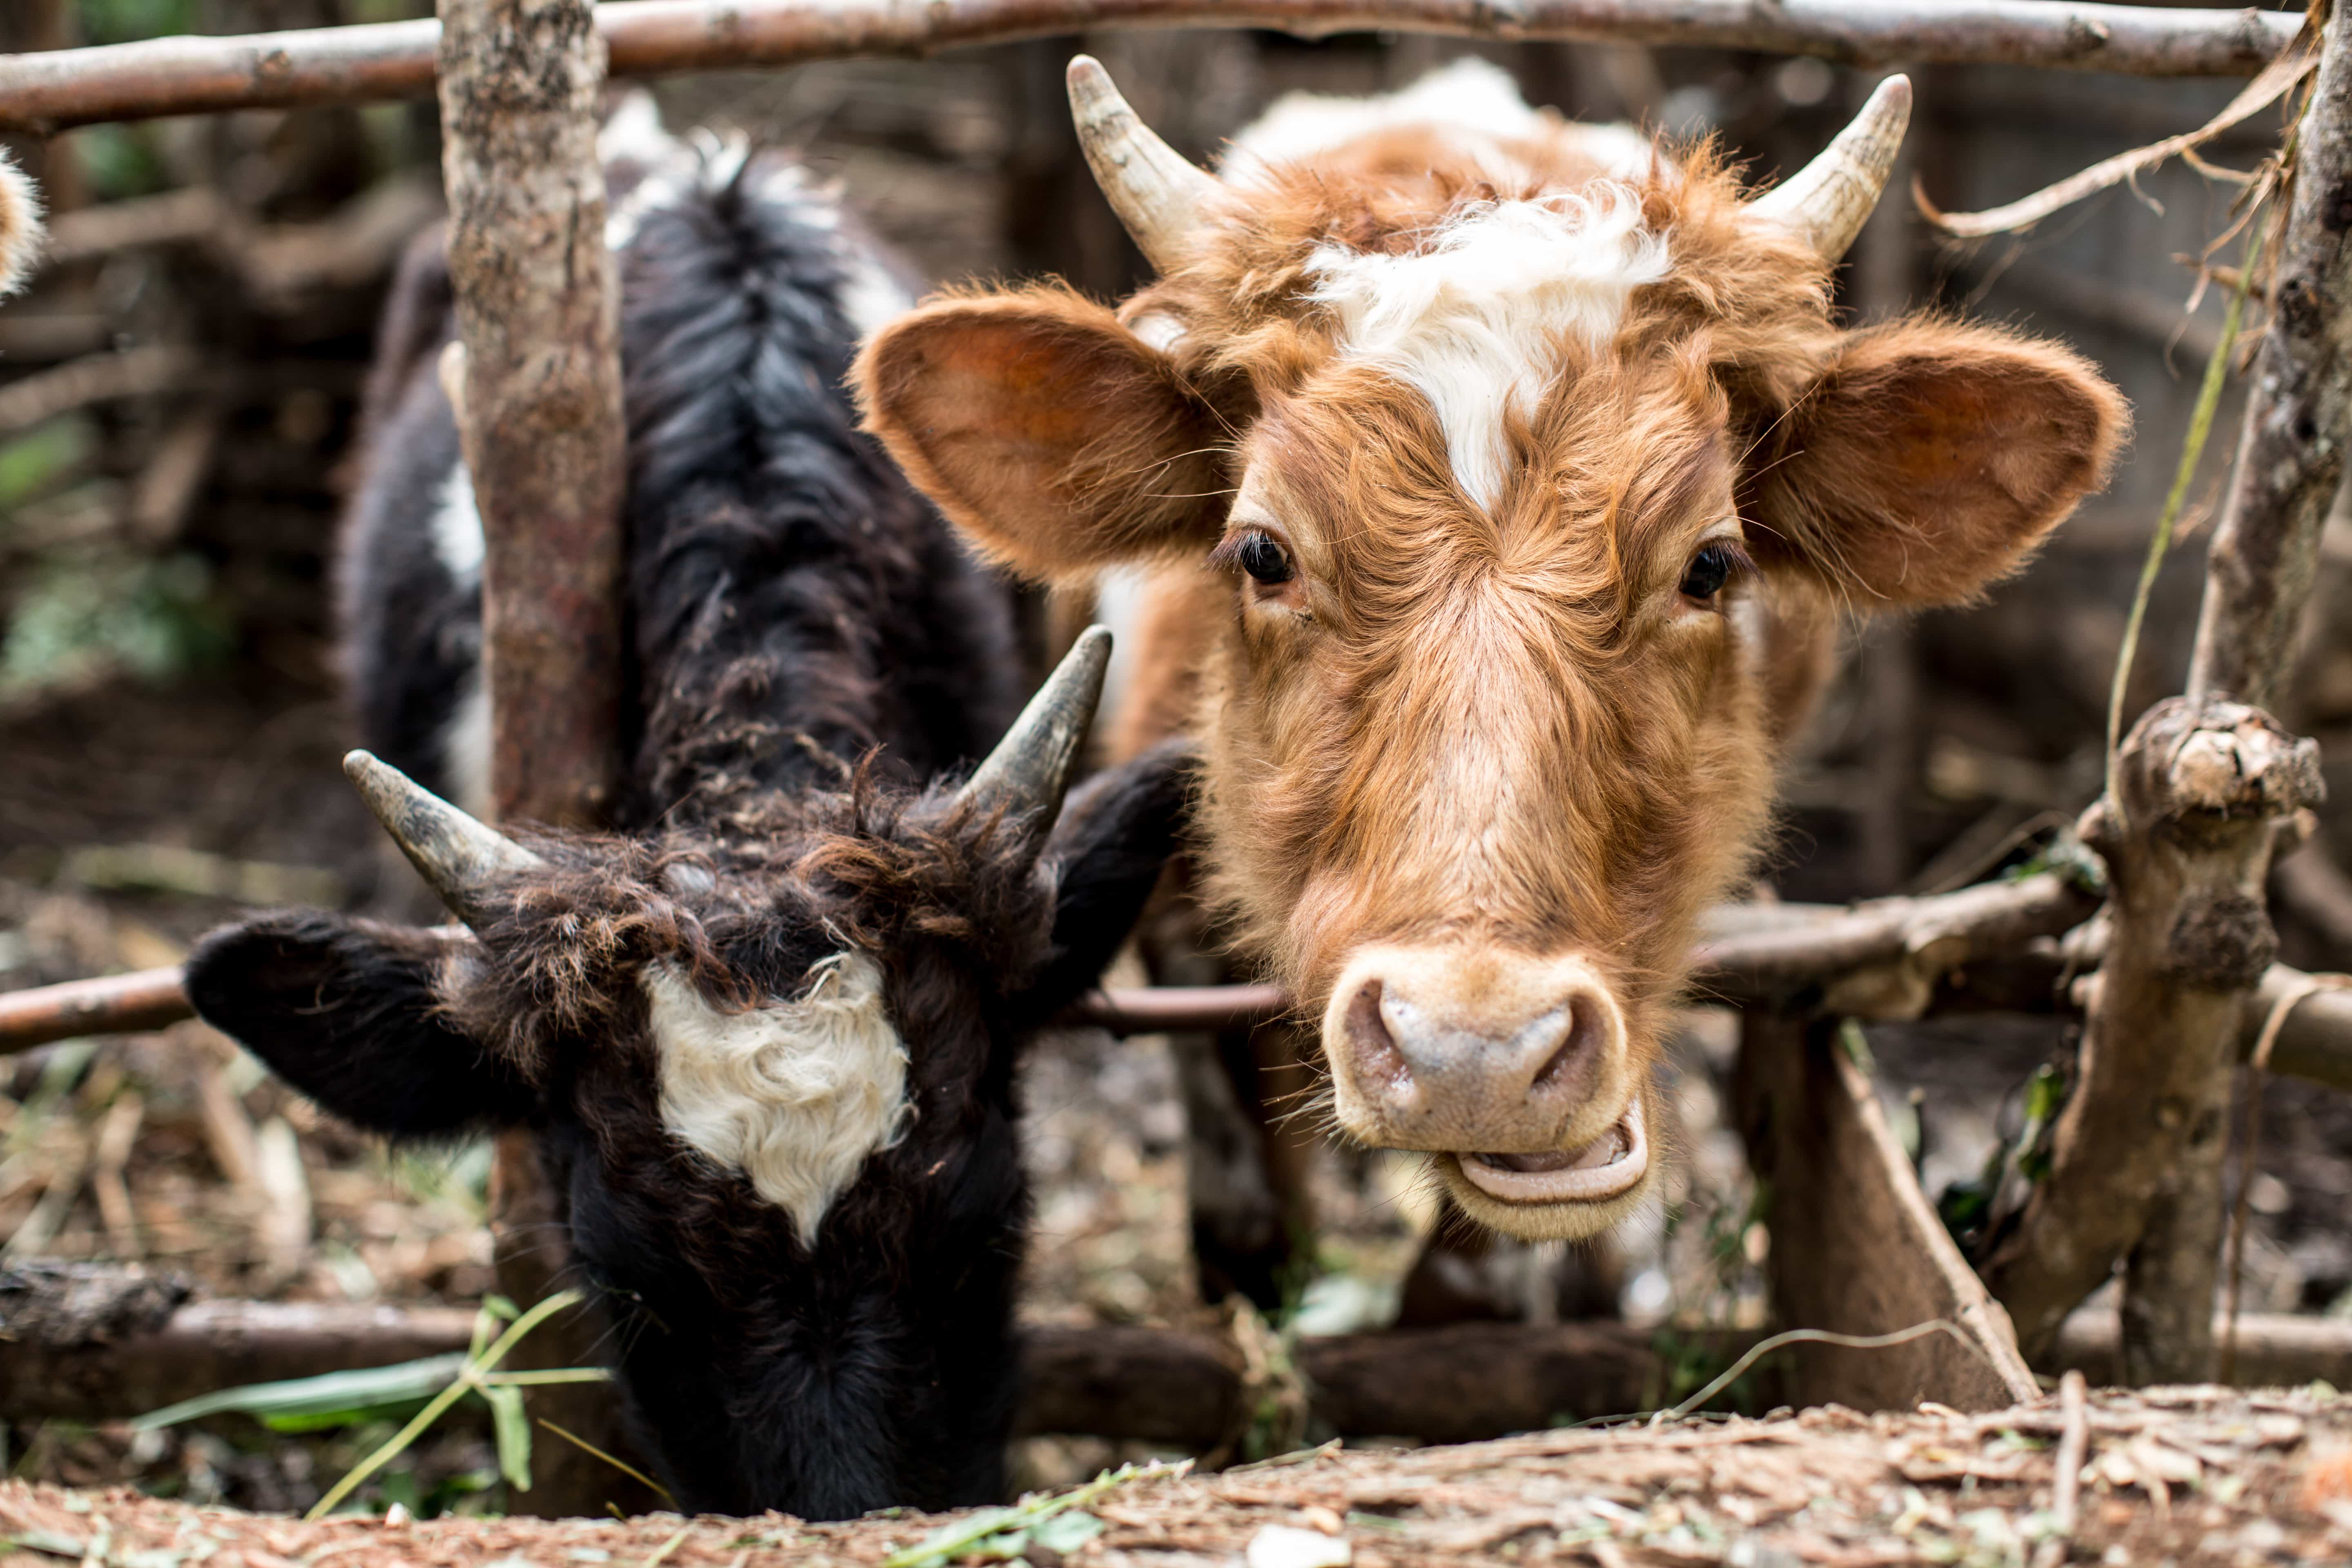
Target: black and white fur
{"points": [[767, 1044]]}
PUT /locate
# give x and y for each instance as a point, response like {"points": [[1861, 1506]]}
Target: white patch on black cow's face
{"points": [[1474, 317], [795, 1095]]}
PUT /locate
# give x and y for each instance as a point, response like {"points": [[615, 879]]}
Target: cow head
{"points": [[770, 1065], [1519, 451]]}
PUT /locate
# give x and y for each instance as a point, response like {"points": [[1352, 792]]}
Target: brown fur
{"points": [[1501, 730]]}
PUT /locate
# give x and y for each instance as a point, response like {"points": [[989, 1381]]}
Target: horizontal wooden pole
{"points": [[1181, 1387], [116, 1004], [1751, 953], [653, 38]]}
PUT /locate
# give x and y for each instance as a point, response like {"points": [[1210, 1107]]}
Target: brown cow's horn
{"points": [[1830, 199], [458, 855], [1030, 770], [1156, 192]]}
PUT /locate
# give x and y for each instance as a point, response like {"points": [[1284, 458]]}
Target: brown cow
{"points": [[1514, 473]]}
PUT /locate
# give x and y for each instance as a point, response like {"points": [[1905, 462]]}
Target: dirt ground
{"points": [[2176, 1476]]}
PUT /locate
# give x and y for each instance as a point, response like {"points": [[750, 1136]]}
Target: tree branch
{"points": [[381, 61], [2203, 787]]}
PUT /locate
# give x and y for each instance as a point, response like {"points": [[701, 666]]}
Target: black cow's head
{"points": [[770, 1064]]}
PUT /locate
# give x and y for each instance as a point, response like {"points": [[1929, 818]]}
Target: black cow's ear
{"points": [[345, 1011], [1115, 836]]}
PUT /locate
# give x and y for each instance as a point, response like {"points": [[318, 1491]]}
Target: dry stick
{"points": [[1763, 1348], [2074, 1445], [544, 442], [2200, 784], [381, 61]]}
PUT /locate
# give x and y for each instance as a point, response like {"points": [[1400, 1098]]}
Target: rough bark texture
{"points": [[1180, 1387], [1857, 1247], [2203, 782], [543, 434], [210, 1345], [396, 59], [2290, 458], [2202, 788]]}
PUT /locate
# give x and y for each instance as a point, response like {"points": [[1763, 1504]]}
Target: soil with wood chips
{"points": [[2181, 1475]]}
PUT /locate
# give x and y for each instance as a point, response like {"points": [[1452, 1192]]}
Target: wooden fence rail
{"points": [[1182, 1387], [381, 61]]}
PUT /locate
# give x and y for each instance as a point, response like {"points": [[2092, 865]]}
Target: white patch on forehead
{"points": [[795, 1095], [1474, 317], [458, 527]]}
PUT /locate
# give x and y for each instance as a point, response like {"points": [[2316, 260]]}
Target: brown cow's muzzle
{"points": [[1517, 1070]]}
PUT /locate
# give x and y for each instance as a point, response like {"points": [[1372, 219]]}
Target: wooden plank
{"points": [[1856, 1248]]}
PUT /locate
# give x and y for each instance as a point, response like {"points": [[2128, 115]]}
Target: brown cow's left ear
{"points": [[1055, 439], [1929, 459]]}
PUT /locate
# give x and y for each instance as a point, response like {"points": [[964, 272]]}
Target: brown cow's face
{"points": [[1494, 494], [1478, 768]]}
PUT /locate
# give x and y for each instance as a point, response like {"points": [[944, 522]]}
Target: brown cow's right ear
{"points": [[1059, 440]]}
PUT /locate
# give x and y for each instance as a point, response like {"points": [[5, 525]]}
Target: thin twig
{"points": [[2192, 450], [2074, 1447], [621, 1465], [1763, 1348]]}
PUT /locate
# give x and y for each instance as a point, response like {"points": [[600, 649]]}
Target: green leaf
{"points": [[323, 1400], [513, 1431], [1065, 1533]]}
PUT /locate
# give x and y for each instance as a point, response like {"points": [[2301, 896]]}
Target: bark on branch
{"points": [[1156, 1385], [537, 387], [2203, 784], [651, 37]]}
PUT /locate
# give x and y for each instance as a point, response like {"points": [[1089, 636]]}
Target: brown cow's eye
{"points": [[1265, 560], [1709, 569]]}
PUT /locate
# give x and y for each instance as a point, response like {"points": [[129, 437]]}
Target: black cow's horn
{"points": [[1158, 193], [1030, 770], [458, 855], [1829, 200]]}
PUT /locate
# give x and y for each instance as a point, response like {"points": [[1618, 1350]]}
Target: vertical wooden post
{"points": [[2203, 783], [540, 421]]}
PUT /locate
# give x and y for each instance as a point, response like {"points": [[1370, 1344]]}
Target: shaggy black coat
{"points": [[792, 604], [876, 1368], [811, 648]]}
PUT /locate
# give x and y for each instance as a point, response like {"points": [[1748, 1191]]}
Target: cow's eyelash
{"points": [[1227, 556]]}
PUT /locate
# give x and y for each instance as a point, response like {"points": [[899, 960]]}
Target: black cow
{"points": [[767, 1040]]}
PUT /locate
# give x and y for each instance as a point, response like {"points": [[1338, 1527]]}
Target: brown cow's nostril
{"points": [[1570, 1070], [1375, 1049]]}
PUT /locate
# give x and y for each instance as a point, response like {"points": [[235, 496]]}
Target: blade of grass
{"points": [[621, 1465], [358, 1389], [471, 1378]]}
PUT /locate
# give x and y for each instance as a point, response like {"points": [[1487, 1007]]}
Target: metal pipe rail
{"points": [[375, 62]]}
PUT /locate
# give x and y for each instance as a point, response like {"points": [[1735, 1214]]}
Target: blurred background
{"points": [[177, 401]]}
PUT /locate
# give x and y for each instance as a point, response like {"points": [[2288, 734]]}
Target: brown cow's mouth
{"points": [[1610, 1166]]}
